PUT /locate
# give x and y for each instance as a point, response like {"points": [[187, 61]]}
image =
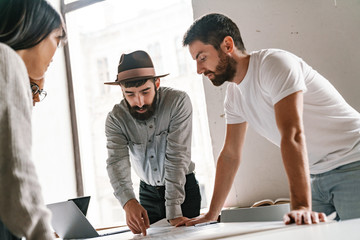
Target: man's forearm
{"points": [[296, 165], [225, 173]]}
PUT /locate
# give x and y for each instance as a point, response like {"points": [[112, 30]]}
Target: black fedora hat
{"points": [[135, 66]]}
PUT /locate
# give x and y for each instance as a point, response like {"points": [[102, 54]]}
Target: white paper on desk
{"points": [[162, 230], [208, 231], [162, 226]]}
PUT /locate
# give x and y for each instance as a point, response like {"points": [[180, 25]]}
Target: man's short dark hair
{"points": [[212, 29], [136, 83]]}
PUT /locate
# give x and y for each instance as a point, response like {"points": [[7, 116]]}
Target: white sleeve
{"points": [[232, 109], [281, 74]]}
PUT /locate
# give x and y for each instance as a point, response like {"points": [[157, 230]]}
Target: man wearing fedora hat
{"points": [[151, 128]]}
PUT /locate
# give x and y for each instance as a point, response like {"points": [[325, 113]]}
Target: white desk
{"points": [[345, 230], [348, 230]]}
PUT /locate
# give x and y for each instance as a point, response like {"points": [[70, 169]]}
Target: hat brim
{"points": [[134, 79]]}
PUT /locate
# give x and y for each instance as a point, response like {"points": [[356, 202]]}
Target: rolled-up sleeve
{"points": [[118, 163], [178, 155]]}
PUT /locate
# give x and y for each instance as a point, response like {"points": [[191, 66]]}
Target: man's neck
{"points": [[242, 64]]}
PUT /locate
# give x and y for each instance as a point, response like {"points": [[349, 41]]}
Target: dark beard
{"points": [[146, 115], [226, 70]]}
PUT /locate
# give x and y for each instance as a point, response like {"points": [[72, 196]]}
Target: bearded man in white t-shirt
{"points": [[284, 100]]}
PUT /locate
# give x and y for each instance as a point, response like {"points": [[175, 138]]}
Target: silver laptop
{"points": [[69, 222]]}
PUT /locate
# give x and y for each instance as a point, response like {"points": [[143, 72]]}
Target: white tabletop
{"points": [[349, 229]]}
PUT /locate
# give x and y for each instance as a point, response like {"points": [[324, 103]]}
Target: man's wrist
{"points": [[130, 202], [212, 215]]}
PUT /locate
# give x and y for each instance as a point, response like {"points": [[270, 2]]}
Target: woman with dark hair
{"points": [[30, 32]]}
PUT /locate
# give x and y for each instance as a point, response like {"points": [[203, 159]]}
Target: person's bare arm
{"points": [[227, 166], [288, 112]]}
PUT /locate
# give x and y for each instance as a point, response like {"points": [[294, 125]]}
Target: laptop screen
{"points": [[82, 203]]}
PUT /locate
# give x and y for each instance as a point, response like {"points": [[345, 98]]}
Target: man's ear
{"points": [[157, 83], [227, 45]]}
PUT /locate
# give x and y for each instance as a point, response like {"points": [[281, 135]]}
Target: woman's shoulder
{"points": [[13, 74], [5, 50], [10, 62], [9, 58]]}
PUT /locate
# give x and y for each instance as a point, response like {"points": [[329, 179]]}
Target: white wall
{"points": [[325, 33]]}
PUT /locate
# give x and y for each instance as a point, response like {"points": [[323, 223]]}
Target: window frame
{"points": [[64, 9]]}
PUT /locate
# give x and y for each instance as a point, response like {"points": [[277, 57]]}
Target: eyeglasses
{"points": [[36, 90]]}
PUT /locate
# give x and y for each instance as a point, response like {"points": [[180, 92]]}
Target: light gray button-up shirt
{"points": [[159, 148]]}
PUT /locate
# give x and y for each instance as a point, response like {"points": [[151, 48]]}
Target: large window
{"points": [[98, 34]]}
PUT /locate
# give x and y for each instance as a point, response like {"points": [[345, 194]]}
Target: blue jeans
{"points": [[337, 190]]}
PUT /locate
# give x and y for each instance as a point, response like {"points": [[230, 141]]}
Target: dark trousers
{"points": [[5, 234], [153, 199]]}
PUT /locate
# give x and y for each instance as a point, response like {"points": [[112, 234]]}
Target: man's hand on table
{"points": [[136, 217], [304, 217]]}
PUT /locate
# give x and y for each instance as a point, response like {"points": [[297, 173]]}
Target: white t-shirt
{"points": [[332, 127]]}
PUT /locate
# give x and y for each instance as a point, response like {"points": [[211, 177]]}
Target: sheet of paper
{"points": [[162, 231]]}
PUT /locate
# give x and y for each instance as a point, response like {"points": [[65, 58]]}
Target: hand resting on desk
{"points": [[180, 221], [197, 220], [304, 217]]}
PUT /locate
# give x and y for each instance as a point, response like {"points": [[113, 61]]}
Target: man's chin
{"points": [[142, 116], [217, 83]]}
